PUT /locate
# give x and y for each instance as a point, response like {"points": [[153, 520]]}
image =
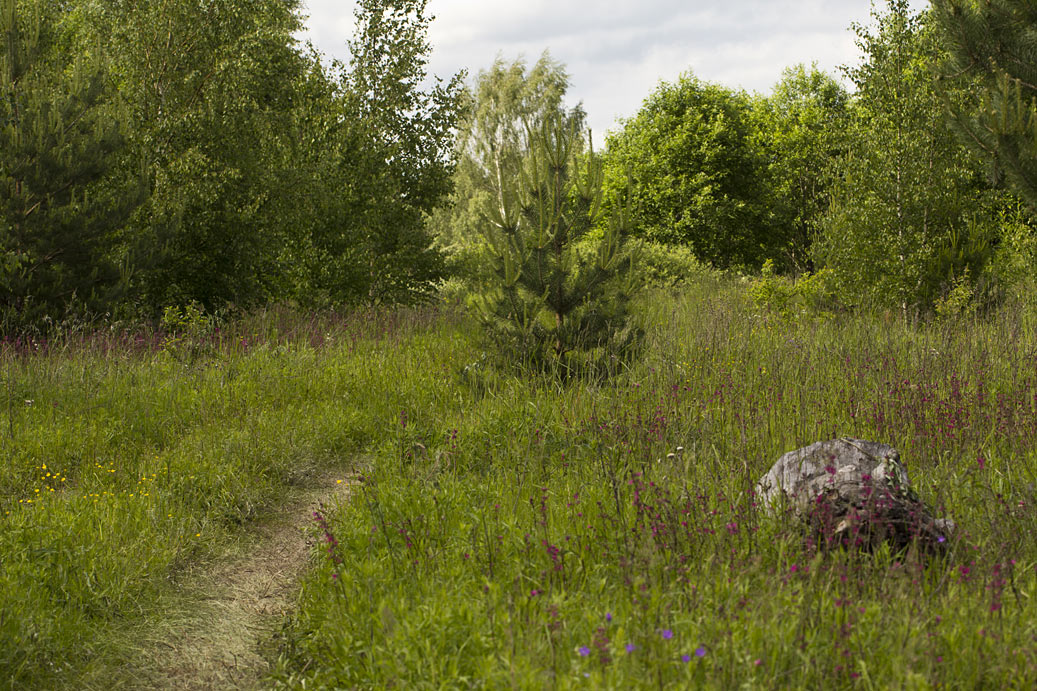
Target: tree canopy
{"points": [[694, 171], [194, 152]]}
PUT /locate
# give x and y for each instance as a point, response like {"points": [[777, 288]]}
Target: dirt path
{"points": [[239, 603]]}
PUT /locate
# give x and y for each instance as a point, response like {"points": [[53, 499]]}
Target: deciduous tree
{"points": [[905, 217], [491, 141], [800, 132], [696, 172]]}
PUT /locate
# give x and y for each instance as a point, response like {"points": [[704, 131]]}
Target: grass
{"points": [[129, 460], [606, 536], [512, 531]]}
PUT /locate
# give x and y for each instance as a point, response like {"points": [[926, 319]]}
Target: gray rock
{"points": [[855, 493]]}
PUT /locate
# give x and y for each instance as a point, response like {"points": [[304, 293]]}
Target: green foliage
{"points": [[902, 223], [959, 300], [556, 296], [189, 332], [544, 528], [254, 171], [61, 135], [407, 157], [210, 86], [800, 133], [808, 293], [658, 264], [990, 57], [1010, 275], [696, 173], [491, 144]]}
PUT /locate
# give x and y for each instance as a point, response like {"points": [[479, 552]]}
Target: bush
{"points": [[659, 264], [810, 293]]}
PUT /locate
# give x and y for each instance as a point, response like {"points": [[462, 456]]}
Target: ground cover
{"points": [[132, 461], [513, 531]]}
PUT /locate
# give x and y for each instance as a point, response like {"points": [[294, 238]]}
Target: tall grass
{"points": [[511, 530], [130, 456], [516, 532]]}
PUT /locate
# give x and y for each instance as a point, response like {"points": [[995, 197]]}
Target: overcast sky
{"points": [[617, 52]]}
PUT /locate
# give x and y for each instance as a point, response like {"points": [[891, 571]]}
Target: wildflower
{"points": [[631, 647], [667, 634], [685, 658], [700, 652], [608, 617], [584, 651]]}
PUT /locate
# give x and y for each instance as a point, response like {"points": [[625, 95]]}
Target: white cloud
{"points": [[616, 52]]}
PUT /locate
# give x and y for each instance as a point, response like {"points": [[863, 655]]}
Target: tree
{"points": [[800, 125], [903, 223], [209, 84], [61, 135], [553, 296], [403, 170], [272, 176], [990, 59], [491, 141], [696, 173]]}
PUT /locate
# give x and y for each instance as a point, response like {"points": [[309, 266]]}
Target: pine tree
{"points": [[58, 141], [991, 46], [557, 293]]}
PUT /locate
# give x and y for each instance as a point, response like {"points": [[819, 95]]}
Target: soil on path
{"points": [[238, 604]]}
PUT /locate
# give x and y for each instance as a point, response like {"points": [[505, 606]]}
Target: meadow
{"points": [[507, 529]]}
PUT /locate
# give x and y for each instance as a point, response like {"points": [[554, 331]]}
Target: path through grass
{"points": [[222, 632], [128, 462]]}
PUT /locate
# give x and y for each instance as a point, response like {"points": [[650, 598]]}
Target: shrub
{"points": [[809, 293]]}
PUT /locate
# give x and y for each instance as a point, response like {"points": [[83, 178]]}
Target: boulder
{"points": [[854, 493]]}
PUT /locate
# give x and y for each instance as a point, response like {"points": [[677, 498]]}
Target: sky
{"points": [[616, 52]]}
